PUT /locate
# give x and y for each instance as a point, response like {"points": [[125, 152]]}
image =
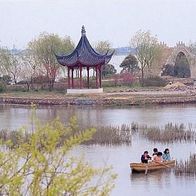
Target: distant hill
{"points": [[15, 51], [118, 51], [124, 51]]}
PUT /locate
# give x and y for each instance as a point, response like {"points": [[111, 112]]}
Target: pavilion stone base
{"points": [[85, 91]]}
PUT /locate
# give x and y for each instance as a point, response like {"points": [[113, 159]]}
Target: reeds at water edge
{"points": [[112, 135], [187, 167], [118, 135], [168, 134], [104, 135]]}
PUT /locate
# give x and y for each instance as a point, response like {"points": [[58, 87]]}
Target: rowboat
{"points": [[144, 167]]}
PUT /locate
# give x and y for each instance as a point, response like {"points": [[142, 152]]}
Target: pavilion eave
{"points": [[84, 56]]}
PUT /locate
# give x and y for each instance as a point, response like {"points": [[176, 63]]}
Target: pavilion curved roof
{"points": [[84, 55]]}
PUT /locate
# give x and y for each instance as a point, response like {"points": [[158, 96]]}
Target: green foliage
{"points": [[6, 79], [181, 67], [45, 45], [108, 70], [168, 70], [2, 86], [148, 49], [10, 64], [42, 52], [42, 165], [103, 46], [130, 64]]}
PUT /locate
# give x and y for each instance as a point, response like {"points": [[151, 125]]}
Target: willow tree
{"points": [[42, 50], [10, 64], [40, 163], [104, 47], [148, 50]]}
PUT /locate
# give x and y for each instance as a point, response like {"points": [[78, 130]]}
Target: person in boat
{"points": [[166, 155], [155, 152], [145, 157], [158, 158]]}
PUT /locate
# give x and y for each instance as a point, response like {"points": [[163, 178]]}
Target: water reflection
{"points": [[161, 182], [159, 178], [14, 116]]}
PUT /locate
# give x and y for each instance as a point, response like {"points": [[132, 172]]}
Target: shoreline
{"points": [[105, 99]]}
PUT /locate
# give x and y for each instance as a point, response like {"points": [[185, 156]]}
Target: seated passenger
{"points": [[145, 157], [155, 151], [166, 155], [158, 158]]}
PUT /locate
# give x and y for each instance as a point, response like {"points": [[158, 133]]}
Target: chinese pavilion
{"points": [[84, 57]]}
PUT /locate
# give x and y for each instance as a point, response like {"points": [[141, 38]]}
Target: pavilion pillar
{"points": [[68, 75], [100, 76], [81, 76], [72, 78], [96, 77], [88, 84]]}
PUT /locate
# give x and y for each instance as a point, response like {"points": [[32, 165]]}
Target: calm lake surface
{"points": [[161, 183]]}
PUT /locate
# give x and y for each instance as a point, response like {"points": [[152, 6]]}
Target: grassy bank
{"points": [[120, 98]]}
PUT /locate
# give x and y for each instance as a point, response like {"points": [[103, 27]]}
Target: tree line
{"points": [[37, 63]]}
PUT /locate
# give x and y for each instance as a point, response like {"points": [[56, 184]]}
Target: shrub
{"points": [[168, 70], [182, 67], [108, 70], [182, 71], [108, 83], [154, 81], [16, 87], [6, 79], [2, 87], [116, 79], [127, 78]]}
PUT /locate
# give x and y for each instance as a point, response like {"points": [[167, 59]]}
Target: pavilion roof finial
{"points": [[83, 31], [84, 55]]}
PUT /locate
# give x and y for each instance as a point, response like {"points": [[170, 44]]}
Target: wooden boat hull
{"points": [[143, 167]]}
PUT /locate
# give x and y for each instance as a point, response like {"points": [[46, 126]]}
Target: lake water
{"points": [[161, 183], [13, 116], [116, 61]]}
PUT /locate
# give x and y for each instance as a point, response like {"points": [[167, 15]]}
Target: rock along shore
{"points": [[106, 99]]}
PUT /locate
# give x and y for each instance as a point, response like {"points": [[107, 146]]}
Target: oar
{"points": [[162, 163], [146, 170]]}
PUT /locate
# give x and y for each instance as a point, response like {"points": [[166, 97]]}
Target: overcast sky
{"points": [[112, 20]]}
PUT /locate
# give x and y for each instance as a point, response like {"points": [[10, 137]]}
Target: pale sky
{"points": [[112, 20]]}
